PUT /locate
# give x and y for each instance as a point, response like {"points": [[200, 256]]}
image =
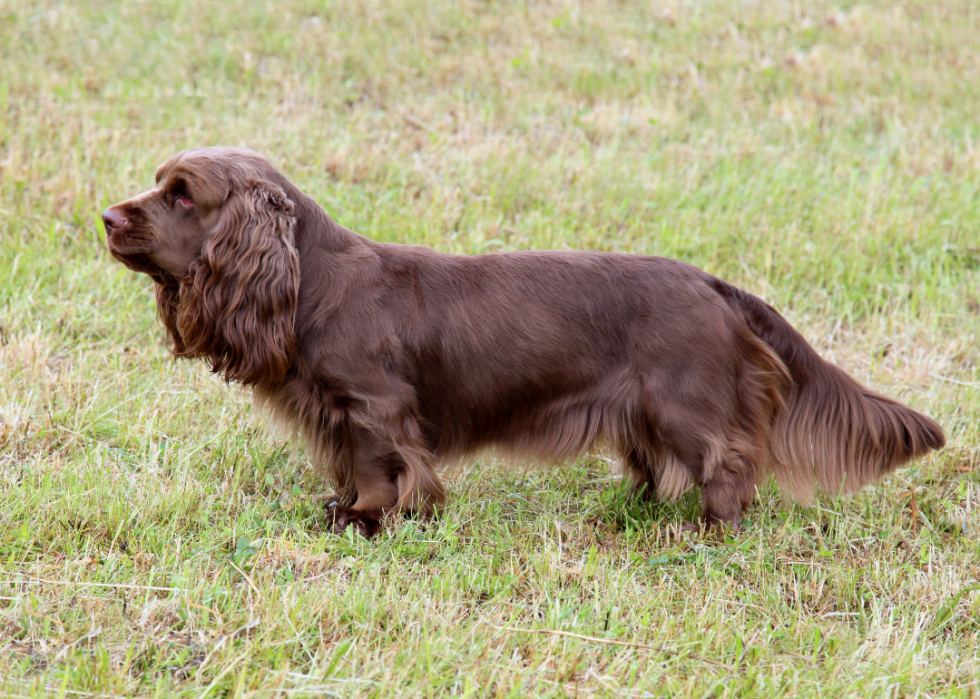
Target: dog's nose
{"points": [[113, 220]]}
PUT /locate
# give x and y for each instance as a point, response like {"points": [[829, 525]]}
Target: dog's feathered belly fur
{"points": [[397, 357]]}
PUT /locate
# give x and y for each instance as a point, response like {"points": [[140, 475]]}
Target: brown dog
{"points": [[391, 358]]}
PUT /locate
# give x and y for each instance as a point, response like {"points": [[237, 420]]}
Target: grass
{"points": [[155, 540]]}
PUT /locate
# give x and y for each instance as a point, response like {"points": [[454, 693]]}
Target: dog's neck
{"points": [[315, 228]]}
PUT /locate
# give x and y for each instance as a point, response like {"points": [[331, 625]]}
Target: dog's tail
{"points": [[832, 432]]}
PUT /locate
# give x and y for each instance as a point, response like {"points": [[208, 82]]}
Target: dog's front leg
{"points": [[390, 474], [727, 494], [373, 470]]}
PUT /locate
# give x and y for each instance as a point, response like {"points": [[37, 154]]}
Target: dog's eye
{"points": [[184, 201]]}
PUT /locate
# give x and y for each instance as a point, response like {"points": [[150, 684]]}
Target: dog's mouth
{"points": [[165, 279], [133, 251], [140, 262], [136, 260]]}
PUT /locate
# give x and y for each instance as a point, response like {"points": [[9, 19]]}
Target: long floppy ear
{"points": [[237, 306]]}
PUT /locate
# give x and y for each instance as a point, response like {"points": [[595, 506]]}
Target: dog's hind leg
{"points": [[728, 490], [727, 482], [699, 442], [731, 473]]}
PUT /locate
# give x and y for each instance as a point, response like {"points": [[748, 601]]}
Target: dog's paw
{"points": [[365, 523], [704, 528], [331, 500], [688, 527]]}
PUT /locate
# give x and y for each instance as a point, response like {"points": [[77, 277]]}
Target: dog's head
{"points": [[216, 235]]}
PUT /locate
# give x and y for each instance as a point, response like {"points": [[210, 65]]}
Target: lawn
{"points": [[156, 539]]}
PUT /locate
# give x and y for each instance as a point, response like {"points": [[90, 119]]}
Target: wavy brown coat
{"points": [[392, 358]]}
